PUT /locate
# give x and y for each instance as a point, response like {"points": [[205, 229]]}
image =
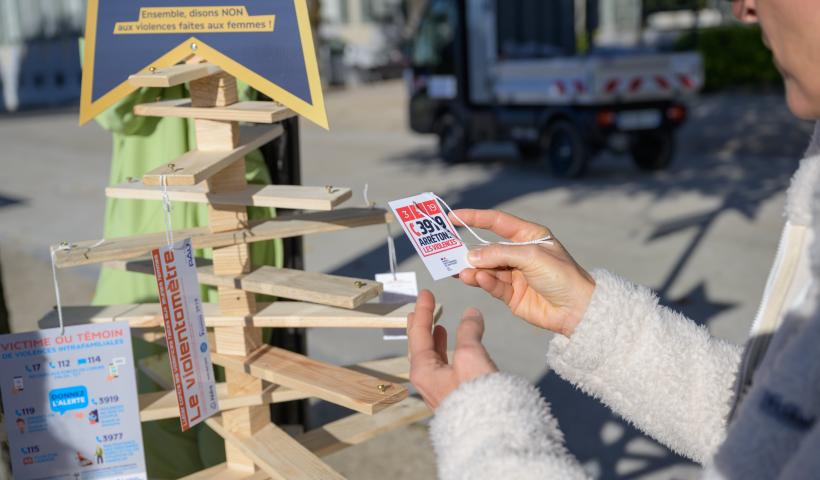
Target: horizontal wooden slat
{"points": [[276, 452], [254, 112], [274, 196], [359, 428], [284, 226], [314, 287], [172, 76], [275, 315], [222, 472], [160, 405], [348, 388], [150, 335], [199, 165]]}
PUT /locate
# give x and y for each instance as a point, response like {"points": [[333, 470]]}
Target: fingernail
{"points": [[474, 256]]}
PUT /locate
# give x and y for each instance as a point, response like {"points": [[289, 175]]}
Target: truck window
{"points": [[434, 47], [535, 28]]}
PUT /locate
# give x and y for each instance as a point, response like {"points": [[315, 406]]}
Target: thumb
{"points": [[470, 330], [502, 256]]}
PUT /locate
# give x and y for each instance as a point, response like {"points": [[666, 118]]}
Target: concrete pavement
{"points": [[702, 233]]}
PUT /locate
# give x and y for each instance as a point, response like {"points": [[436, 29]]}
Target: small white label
{"points": [[400, 289], [432, 235], [185, 333]]}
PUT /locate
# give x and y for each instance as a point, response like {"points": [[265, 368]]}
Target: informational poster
{"points": [[432, 235], [185, 332], [71, 407]]}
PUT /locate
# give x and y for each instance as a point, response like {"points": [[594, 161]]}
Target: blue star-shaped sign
{"points": [[266, 43]]}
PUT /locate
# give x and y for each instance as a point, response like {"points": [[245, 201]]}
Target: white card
{"points": [[185, 333], [432, 235], [399, 290]]}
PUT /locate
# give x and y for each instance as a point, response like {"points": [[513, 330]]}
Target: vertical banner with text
{"points": [[185, 333]]}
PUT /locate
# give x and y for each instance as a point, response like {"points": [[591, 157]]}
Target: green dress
{"points": [[139, 145]]}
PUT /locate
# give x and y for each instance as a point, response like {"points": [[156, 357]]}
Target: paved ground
{"points": [[702, 233]]}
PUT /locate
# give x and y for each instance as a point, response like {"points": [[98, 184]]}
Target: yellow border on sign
{"points": [[314, 112]]}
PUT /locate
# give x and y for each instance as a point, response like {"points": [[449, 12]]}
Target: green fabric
{"points": [[141, 144]]}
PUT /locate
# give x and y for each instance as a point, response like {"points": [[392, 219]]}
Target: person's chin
{"points": [[801, 104]]}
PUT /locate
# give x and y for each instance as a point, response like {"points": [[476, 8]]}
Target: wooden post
{"points": [[218, 91]]}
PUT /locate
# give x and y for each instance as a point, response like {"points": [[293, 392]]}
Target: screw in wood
{"points": [[383, 387], [194, 46], [329, 188], [359, 284], [152, 69]]}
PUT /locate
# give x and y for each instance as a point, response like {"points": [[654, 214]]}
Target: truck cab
{"points": [[508, 70]]}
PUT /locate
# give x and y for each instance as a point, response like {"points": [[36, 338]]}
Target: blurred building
{"points": [[39, 52], [362, 39]]}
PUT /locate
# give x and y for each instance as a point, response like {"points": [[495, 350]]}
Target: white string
{"points": [[54, 250], [391, 251], [391, 245], [166, 205], [538, 241]]}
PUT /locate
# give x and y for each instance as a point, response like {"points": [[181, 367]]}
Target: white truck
{"points": [[508, 70]]}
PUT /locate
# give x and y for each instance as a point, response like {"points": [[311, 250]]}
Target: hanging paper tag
{"points": [[400, 289], [185, 333], [432, 235], [71, 405]]}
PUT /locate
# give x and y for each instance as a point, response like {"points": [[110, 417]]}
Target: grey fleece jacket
{"points": [[667, 376]]}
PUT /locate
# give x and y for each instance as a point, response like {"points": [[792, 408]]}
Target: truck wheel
{"points": [[653, 151], [453, 144], [564, 149]]}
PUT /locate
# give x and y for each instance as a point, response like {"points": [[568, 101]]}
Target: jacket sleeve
{"points": [[657, 369], [499, 426]]}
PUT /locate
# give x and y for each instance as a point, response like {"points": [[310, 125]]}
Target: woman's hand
{"points": [[430, 372], [542, 284]]}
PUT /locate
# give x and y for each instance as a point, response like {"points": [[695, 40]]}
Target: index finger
{"points": [[502, 224], [420, 326]]}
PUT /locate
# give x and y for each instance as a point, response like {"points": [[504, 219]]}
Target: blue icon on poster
{"points": [[62, 400]]}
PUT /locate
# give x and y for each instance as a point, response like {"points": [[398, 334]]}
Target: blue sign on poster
{"points": [[266, 43]]}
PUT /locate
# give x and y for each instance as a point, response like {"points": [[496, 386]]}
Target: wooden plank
{"points": [[359, 428], [150, 335], [172, 76], [284, 226], [159, 405], [273, 315], [354, 390], [162, 405], [275, 196], [222, 472], [199, 165], [253, 112], [314, 287], [276, 452]]}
